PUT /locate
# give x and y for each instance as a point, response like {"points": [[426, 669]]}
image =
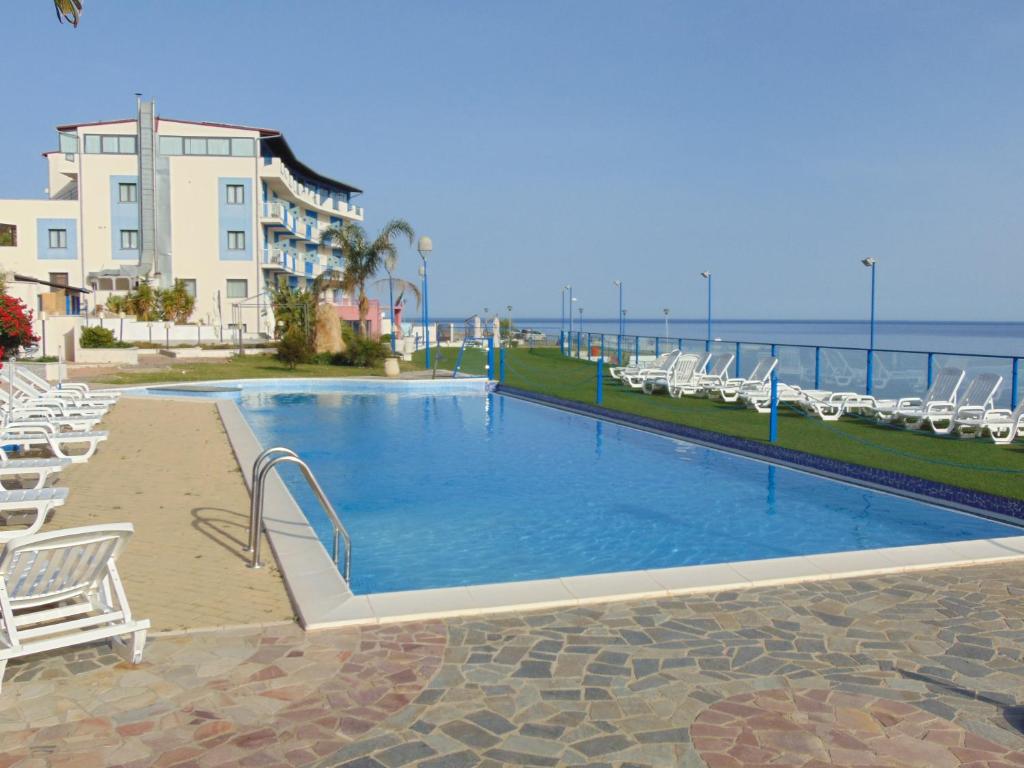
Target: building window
{"points": [[59, 278], [218, 146], [109, 145], [104, 284], [236, 240], [129, 239], [172, 145], [243, 147], [102, 144], [92, 143], [122, 284], [238, 289], [8, 235], [68, 143], [58, 238], [190, 286], [195, 146], [236, 194], [127, 192]]}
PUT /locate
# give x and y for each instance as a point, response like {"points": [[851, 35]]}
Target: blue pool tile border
{"points": [[941, 493]]}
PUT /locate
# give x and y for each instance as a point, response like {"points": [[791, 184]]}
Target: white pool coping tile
{"points": [[622, 585], [418, 604], [699, 578], [867, 562], [779, 570], [507, 596]]}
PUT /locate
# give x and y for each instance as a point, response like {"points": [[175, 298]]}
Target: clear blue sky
{"points": [[580, 141]]}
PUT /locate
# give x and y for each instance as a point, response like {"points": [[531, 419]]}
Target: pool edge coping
{"points": [[323, 600]]}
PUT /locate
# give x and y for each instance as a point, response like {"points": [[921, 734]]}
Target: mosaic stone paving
{"points": [[270, 697], [862, 665]]}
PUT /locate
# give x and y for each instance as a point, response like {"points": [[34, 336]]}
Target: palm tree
{"points": [[403, 285], [68, 10], [365, 258]]}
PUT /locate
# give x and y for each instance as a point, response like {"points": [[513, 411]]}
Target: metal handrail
{"points": [[256, 523], [257, 492]]}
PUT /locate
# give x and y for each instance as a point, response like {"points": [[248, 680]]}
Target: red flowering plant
{"points": [[15, 326]]}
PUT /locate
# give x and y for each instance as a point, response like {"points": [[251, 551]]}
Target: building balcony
{"points": [[281, 258], [276, 173], [277, 214]]}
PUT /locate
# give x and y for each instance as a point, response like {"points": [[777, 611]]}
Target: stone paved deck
{"points": [[922, 669], [168, 468]]}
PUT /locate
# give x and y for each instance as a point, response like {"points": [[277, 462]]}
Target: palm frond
{"points": [[402, 286], [68, 10]]}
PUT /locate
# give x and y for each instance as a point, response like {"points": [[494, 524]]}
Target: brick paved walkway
{"points": [[855, 671], [168, 469]]}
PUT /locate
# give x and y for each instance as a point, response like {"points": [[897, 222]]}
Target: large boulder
{"points": [[328, 331]]}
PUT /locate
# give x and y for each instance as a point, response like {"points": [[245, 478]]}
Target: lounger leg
{"points": [[3, 665], [130, 650]]}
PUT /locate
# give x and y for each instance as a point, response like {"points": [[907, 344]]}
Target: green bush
{"points": [[293, 347], [362, 353], [96, 337]]}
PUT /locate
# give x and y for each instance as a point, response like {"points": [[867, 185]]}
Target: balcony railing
{"points": [[291, 260], [310, 196]]}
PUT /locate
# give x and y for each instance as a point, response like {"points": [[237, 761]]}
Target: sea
{"points": [[964, 338]]}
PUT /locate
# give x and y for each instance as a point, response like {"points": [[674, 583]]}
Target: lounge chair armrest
{"points": [[24, 429], [909, 402], [939, 406]]}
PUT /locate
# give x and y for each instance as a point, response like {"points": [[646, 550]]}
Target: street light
{"points": [[42, 323], [618, 284], [564, 289], [707, 344], [425, 246], [509, 308], [665, 310], [870, 262], [167, 329]]}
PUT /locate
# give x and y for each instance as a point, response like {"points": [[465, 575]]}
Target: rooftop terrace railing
{"points": [[893, 372]]}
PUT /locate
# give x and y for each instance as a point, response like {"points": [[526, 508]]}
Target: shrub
{"points": [[293, 347], [363, 353], [95, 337], [175, 303], [15, 326]]}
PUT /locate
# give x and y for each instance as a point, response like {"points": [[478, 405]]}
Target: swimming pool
{"points": [[448, 488]]}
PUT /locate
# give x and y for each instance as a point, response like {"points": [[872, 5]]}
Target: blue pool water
{"points": [[460, 488]]}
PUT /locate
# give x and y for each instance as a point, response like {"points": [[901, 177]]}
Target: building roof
{"points": [[272, 138]]}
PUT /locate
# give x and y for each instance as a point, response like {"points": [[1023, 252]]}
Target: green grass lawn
{"points": [[976, 464], [250, 367]]}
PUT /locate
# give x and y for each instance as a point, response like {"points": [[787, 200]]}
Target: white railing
{"points": [[307, 194]]}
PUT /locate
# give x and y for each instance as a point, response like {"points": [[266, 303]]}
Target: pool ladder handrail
{"points": [[265, 462]]}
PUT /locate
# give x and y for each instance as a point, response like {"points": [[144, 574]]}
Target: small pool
{"points": [[450, 488]]}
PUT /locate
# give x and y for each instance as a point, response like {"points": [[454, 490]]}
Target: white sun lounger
{"points": [[61, 406], [41, 469], [62, 589], [730, 390], [717, 372], [46, 436], [617, 372], [37, 501], [684, 369], [636, 379], [979, 397], [761, 399], [827, 406], [943, 390], [44, 387], [1001, 424]]}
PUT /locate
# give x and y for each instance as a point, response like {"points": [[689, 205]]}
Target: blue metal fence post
{"points": [[871, 372], [579, 341], [590, 342], [1013, 383], [501, 365], [490, 357], [561, 341], [602, 349], [738, 350], [679, 344], [618, 350], [657, 346], [931, 368], [600, 376], [636, 347], [773, 419], [817, 367]]}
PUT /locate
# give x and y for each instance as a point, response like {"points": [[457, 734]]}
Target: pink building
{"points": [[349, 312]]}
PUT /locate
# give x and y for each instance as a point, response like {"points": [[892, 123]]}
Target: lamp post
{"points": [[581, 319], [509, 308], [391, 304], [707, 344], [618, 284], [564, 289], [870, 262], [571, 300], [425, 246], [167, 331], [665, 311], [42, 323]]}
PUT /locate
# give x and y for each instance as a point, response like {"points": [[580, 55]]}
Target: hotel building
{"points": [[228, 209]]}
